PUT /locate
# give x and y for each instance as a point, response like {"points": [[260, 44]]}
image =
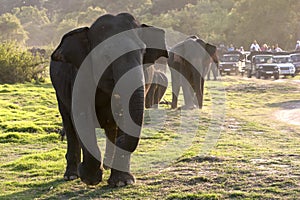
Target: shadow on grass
{"points": [[61, 189], [293, 104], [35, 191], [200, 159], [41, 85]]}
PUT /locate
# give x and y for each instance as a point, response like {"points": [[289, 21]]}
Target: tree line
{"points": [[238, 22]]}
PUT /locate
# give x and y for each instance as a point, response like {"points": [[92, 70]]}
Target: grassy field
{"points": [[234, 148]]}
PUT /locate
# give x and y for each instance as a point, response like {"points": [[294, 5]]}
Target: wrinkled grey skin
{"points": [[65, 63], [201, 54]]}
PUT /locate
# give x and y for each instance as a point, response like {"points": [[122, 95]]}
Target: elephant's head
{"points": [[211, 52], [116, 45], [73, 48], [155, 41]]}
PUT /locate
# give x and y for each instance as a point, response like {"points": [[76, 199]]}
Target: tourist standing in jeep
{"points": [[255, 46]]}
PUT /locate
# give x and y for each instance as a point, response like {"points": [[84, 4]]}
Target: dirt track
{"points": [[291, 116], [290, 112]]}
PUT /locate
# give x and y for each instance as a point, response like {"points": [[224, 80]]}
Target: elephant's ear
{"points": [[211, 49], [58, 55], [155, 41], [73, 47]]}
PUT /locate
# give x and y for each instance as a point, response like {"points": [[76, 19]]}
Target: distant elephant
{"points": [[65, 64], [35, 51], [190, 59]]}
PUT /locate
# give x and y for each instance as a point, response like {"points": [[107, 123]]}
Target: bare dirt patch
{"points": [[290, 113]]}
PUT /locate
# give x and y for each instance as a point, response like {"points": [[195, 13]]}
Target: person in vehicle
{"points": [[255, 46], [264, 47], [277, 48], [231, 48]]}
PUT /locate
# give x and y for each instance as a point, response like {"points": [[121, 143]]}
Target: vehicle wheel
{"points": [[258, 75], [242, 73], [276, 76], [221, 73], [293, 75], [228, 73], [266, 76]]}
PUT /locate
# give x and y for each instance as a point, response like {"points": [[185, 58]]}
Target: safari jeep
{"points": [[262, 65], [232, 62], [295, 56], [284, 64]]}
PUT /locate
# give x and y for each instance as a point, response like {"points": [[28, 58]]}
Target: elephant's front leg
{"points": [[111, 135], [200, 92], [175, 77], [160, 88], [90, 170], [120, 172], [129, 130], [73, 147]]}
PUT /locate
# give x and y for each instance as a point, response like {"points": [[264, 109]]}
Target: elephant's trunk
{"points": [[129, 86], [215, 59]]}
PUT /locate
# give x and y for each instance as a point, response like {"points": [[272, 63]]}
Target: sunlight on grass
{"points": [[240, 151]]}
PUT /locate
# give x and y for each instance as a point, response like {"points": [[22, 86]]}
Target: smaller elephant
{"points": [[190, 60], [157, 89]]}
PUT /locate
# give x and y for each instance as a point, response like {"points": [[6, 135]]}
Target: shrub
{"points": [[18, 65]]}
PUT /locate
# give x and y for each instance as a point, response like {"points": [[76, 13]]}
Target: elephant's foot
{"points": [[188, 107], [88, 176], [119, 178], [71, 173]]}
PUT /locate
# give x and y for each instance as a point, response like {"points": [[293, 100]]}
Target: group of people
{"points": [[256, 47], [274, 48]]}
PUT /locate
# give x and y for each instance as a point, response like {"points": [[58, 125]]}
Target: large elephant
{"points": [[190, 60], [82, 46]]}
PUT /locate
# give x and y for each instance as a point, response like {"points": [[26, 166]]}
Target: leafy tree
{"points": [[90, 15], [11, 29], [168, 5], [18, 65], [217, 21], [270, 22], [33, 21], [31, 14]]}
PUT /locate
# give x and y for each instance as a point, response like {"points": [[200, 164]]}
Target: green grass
{"points": [[236, 151]]}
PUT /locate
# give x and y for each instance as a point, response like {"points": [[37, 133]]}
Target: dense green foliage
{"points": [[43, 22], [18, 65]]}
